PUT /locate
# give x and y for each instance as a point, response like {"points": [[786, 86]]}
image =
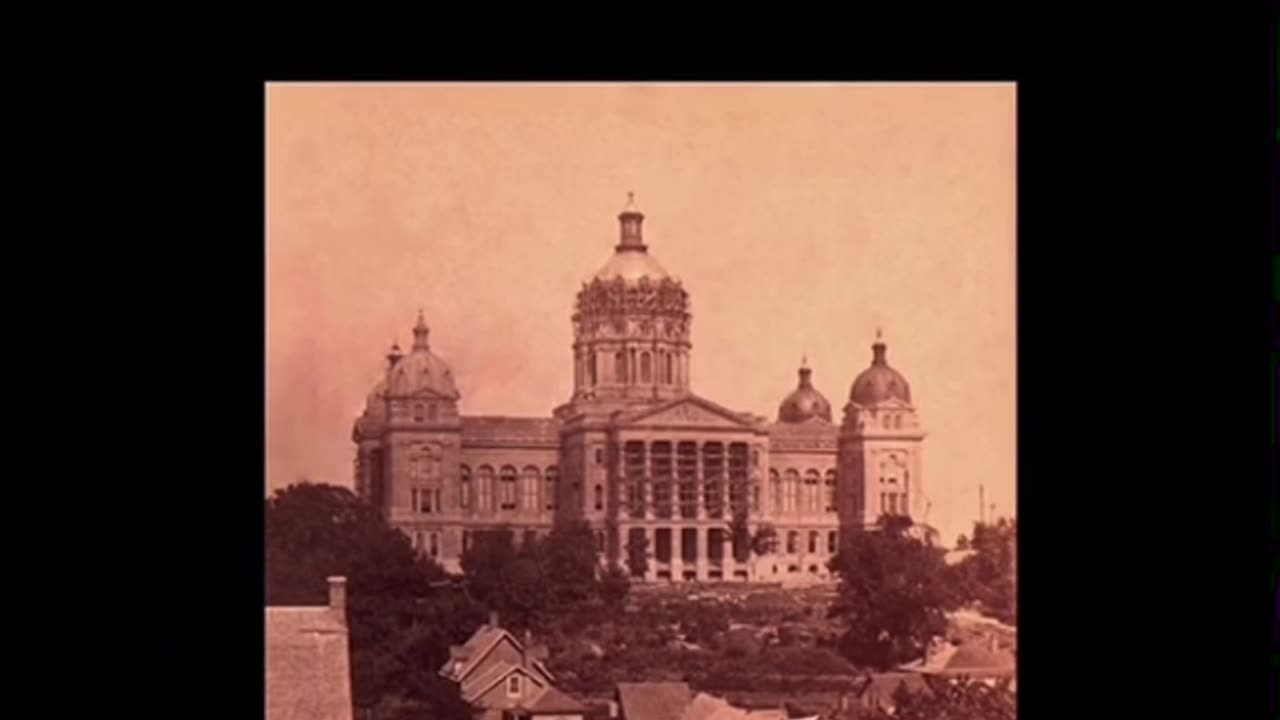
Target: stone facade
{"points": [[636, 453]]}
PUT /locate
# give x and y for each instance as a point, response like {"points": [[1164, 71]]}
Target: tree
{"points": [[740, 536], [892, 594], [962, 542], [487, 562], [765, 538], [614, 587], [953, 700], [543, 582], [402, 614], [572, 563], [638, 554], [987, 576]]}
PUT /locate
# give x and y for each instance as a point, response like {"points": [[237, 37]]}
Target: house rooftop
{"points": [[653, 700], [308, 673]]}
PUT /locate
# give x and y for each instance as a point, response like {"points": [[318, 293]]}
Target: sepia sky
{"points": [[798, 217]]}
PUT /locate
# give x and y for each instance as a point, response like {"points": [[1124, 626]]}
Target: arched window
{"points": [[791, 485], [813, 542], [530, 478], [553, 486], [671, 373], [620, 367], [591, 369], [599, 494], [830, 491], [811, 482], [793, 542], [418, 412], [485, 479], [646, 368], [464, 487], [775, 491], [507, 483]]}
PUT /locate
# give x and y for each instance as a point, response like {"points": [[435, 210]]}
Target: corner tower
{"points": [[408, 437], [880, 446]]}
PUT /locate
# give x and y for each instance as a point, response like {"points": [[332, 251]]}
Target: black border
{"points": [[1142, 210]]}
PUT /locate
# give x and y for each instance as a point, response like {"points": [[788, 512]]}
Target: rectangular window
{"points": [[513, 686], [660, 461], [713, 476], [831, 542], [813, 543], [633, 458], [435, 545], [738, 458], [530, 493], [687, 477], [507, 488]]}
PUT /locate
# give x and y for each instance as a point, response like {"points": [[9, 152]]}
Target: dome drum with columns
{"points": [[635, 452]]}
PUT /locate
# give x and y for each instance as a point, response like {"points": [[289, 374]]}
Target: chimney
{"points": [[526, 648], [338, 595], [493, 619], [613, 709]]}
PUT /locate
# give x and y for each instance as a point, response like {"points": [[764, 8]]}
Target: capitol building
{"points": [[636, 452]]}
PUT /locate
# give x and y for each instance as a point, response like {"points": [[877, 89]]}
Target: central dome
{"points": [[631, 265], [805, 402]]}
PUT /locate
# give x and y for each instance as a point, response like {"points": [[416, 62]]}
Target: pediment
{"points": [[689, 411]]}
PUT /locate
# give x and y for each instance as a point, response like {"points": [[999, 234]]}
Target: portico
{"points": [[685, 472]]}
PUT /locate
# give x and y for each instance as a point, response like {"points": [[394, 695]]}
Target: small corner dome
{"points": [[804, 403], [879, 382], [374, 417], [420, 370]]}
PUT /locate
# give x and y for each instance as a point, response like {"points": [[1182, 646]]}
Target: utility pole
{"points": [[982, 508]]}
